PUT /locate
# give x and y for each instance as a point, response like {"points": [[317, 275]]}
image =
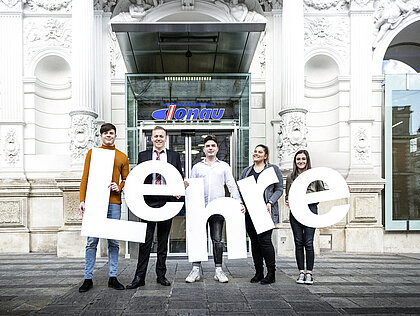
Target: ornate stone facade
{"points": [[83, 133], [11, 147], [328, 33], [114, 52], [104, 5], [49, 5], [46, 34], [320, 5], [10, 213], [292, 133], [389, 14], [362, 146], [10, 3]]}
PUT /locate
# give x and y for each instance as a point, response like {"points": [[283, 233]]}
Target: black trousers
{"points": [[163, 229], [261, 245], [304, 241], [216, 222]]}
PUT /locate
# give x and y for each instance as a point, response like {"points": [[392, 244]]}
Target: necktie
{"points": [[158, 178]]}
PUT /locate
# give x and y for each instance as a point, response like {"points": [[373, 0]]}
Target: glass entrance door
{"points": [[189, 144]]}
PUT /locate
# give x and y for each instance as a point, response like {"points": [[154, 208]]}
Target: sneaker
{"points": [[220, 276], [301, 278], [309, 279], [194, 275]]}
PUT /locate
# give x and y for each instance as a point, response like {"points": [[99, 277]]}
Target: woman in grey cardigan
{"points": [[261, 244]]}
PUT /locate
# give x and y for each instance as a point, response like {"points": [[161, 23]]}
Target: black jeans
{"points": [[216, 230], [261, 245], [163, 229], [304, 239]]}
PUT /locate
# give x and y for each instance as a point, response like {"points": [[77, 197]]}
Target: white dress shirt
{"points": [[162, 157], [215, 177]]}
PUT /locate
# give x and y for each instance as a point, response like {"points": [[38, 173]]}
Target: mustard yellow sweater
{"points": [[120, 169]]}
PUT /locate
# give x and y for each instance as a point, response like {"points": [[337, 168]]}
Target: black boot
{"points": [[259, 274], [86, 286], [113, 282], [270, 277]]}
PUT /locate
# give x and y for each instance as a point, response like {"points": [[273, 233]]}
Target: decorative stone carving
{"points": [[10, 213], [49, 5], [362, 3], [390, 14], [267, 5], [187, 5], [261, 53], [365, 206], [249, 11], [72, 214], [139, 10], [83, 133], [10, 3], [114, 51], [11, 147], [104, 5], [329, 32], [292, 133], [42, 33], [362, 147], [277, 5], [326, 4]]}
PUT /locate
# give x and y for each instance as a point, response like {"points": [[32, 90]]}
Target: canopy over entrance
{"points": [[213, 47]]}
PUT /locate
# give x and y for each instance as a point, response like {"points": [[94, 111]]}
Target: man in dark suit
{"points": [[163, 228]]}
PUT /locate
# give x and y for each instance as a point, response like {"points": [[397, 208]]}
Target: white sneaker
{"points": [[194, 275], [220, 276], [309, 279], [301, 278]]}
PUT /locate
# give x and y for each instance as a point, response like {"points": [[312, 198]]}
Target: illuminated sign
{"points": [[188, 111]]}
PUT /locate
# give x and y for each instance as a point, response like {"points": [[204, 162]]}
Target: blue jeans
{"points": [[114, 212]]}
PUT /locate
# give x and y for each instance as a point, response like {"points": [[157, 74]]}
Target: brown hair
{"points": [[266, 151], [295, 168], [159, 128], [211, 137], [107, 127]]}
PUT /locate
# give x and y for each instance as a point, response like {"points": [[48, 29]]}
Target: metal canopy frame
{"points": [[188, 47]]}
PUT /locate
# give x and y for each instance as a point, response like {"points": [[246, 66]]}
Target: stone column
{"points": [[364, 231], [83, 125], [361, 118], [83, 130], [292, 125], [14, 188], [11, 90], [273, 75]]}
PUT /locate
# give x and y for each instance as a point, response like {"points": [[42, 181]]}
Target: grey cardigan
{"points": [[272, 193]]}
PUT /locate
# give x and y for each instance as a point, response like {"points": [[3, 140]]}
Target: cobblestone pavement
{"points": [[344, 284]]}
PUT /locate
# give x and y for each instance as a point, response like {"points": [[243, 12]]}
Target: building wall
{"points": [[39, 170]]}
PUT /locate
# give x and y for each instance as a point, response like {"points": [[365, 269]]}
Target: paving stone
{"points": [[268, 304], [186, 305], [228, 307], [345, 283], [273, 312], [187, 312]]}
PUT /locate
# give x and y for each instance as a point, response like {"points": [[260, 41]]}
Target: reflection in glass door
{"points": [[402, 152], [189, 144]]}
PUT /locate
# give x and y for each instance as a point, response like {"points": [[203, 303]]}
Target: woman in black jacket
{"points": [[261, 244]]}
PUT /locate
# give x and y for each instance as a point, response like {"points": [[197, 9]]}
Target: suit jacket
{"points": [[174, 159]]}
